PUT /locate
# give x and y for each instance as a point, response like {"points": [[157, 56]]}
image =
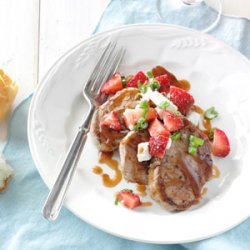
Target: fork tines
{"points": [[107, 65]]}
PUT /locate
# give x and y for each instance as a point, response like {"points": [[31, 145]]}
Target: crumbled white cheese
{"points": [[157, 98], [5, 171], [194, 117], [143, 152], [159, 112], [169, 143]]}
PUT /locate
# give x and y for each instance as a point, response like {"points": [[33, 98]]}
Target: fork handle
{"points": [[57, 194]]}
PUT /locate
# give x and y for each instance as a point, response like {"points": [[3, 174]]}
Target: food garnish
{"points": [[128, 199], [211, 113], [220, 144], [194, 143]]}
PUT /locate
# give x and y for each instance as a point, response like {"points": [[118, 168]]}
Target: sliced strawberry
{"points": [[129, 199], [172, 121], [157, 145], [220, 145], [112, 121], [131, 116], [182, 99], [113, 85], [140, 76], [157, 128], [165, 84]]}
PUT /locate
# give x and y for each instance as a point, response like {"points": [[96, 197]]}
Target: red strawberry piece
{"points": [[140, 76], [164, 82], [157, 145], [220, 144], [112, 121], [113, 85], [131, 116], [130, 200], [151, 115], [157, 128], [172, 121], [182, 99]]}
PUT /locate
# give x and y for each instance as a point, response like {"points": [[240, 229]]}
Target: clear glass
{"points": [[219, 8], [196, 14]]}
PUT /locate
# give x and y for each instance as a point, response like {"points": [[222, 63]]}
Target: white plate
{"points": [[219, 77]]}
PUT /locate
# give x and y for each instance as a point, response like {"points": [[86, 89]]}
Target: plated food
{"points": [[165, 140]]}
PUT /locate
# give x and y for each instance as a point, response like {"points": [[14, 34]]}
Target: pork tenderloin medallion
{"points": [[133, 170], [176, 180], [108, 139]]}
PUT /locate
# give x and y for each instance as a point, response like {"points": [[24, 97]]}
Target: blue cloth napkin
{"points": [[21, 223]]}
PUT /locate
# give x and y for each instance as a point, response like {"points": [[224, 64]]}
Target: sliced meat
{"points": [[108, 139], [176, 180], [133, 170]]}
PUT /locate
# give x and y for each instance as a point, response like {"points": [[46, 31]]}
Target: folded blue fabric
{"points": [[21, 223]]}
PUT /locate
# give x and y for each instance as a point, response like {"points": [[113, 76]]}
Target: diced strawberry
{"points": [[112, 121], [113, 85], [151, 115], [220, 145], [129, 199], [157, 128], [165, 84], [131, 116], [140, 76], [172, 121], [157, 145], [182, 99]]}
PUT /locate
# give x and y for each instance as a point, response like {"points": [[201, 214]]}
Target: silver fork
{"points": [[105, 67]]}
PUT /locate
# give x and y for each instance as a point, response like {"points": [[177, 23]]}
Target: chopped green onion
{"points": [[194, 143], [154, 85], [116, 200], [192, 150], [142, 87], [141, 124], [127, 190], [144, 105], [164, 105], [211, 113], [124, 81], [211, 134], [150, 75], [175, 136], [144, 125]]}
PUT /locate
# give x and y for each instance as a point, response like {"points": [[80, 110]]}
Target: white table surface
{"points": [[35, 33]]}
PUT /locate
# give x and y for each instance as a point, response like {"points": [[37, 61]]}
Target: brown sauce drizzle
{"points": [[146, 204], [97, 170], [185, 84], [215, 172], [106, 158], [206, 123], [141, 189]]}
